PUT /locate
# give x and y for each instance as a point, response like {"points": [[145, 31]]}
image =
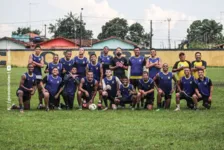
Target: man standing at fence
{"points": [[198, 64]]}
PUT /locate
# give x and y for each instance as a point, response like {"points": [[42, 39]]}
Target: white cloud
{"points": [[6, 30], [95, 14], [178, 25]]}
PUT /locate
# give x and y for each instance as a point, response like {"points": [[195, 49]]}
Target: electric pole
{"points": [[45, 30], [81, 27], [151, 34], [169, 44]]}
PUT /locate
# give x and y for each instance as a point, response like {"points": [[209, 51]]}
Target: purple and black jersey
{"points": [[80, 64], [95, 69], [106, 62], [204, 86], [67, 64], [52, 84], [51, 66], [165, 82], [29, 82], [37, 69], [136, 64], [89, 86], [70, 84], [153, 70], [113, 84], [188, 85], [125, 91]]}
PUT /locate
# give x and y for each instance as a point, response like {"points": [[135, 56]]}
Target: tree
{"points": [[70, 27], [136, 33], [21, 31], [204, 32], [116, 27]]}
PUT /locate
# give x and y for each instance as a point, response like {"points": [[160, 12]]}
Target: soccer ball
{"points": [[92, 107]]}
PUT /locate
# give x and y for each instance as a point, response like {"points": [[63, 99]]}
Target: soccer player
{"points": [[180, 65], [186, 88], [67, 62], [126, 94], [87, 90], [110, 89], [198, 64], [119, 64], [204, 89], [105, 60], [80, 62], [136, 64], [97, 70], [54, 64], [146, 90], [154, 64], [37, 60], [26, 89], [164, 86], [71, 82], [53, 87]]}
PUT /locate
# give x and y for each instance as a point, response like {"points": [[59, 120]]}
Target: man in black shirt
{"points": [[119, 64]]}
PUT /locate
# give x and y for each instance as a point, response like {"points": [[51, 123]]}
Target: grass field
{"points": [[121, 129]]}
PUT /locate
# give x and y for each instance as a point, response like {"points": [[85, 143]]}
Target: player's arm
{"points": [[23, 78], [44, 81], [61, 88], [204, 65], [95, 91], [41, 64], [211, 89], [101, 74], [46, 69], [150, 64], [81, 86], [125, 66], [104, 85], [113, 65], [175, 69], [34, 88], [87, 69], [197, 91], [159, 65], [193, 68], [30, 60], [133, 90]]}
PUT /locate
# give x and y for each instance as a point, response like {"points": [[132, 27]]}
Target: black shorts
{"points": [[134, 82], [125, 100], [203, 98], [26, 95], [188, 98], [167, 96], [53, 100], [87, 98]]}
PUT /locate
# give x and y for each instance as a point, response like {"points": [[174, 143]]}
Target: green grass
{"points": [[122, 129]]}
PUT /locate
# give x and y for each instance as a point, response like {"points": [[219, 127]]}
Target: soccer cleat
{"points": [[158, 109], [106, 108], [80, 108], [132, 108], [40, 106], [47, 109], [21, 111], [177, 109]]}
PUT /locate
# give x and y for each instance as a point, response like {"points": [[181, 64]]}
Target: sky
{"points": [[36, 13]]}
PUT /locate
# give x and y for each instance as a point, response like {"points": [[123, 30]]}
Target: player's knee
{"points": [[194, 96], [160, 93], [104, 93], [46, 94], [79, 93], [177, 95], [20, 93]]}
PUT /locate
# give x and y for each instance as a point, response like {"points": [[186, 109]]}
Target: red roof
{"points": [[114, 37], [15, 41]]}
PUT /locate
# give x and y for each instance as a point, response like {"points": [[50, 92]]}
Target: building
{"points": [[11, 43], [59, 43], [114, 42]]}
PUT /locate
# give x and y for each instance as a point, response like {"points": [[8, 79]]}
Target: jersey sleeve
{"points": [[112, 62], [204, 63], [209, 82], [192, 64], [189, 64], [125, 62], [99, 59], [144, 62], [175, 65], [129, 62], [139, 85], [152, 85], [45, 79]]}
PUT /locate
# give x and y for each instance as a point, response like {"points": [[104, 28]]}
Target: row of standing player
{"points": [[75, 70]]}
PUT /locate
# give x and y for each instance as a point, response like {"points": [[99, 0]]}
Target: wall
{"points": [[112, 44], [5, 43], [213, 58]]}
